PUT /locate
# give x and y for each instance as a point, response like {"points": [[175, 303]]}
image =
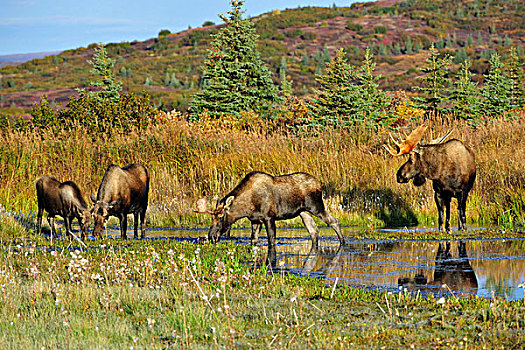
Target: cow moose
{"points": [[63, 199], [450, 165], [122, 191], [264, 199]]}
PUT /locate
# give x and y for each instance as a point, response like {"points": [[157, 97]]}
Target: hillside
{"points": [[304, 38], [9, 60]]}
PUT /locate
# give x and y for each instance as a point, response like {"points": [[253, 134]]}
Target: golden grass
{"points": [[187, 161]]}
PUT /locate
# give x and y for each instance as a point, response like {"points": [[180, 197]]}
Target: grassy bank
{"points": [[187, 161], [165, 294]]}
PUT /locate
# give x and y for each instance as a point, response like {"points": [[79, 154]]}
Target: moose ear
{"points": [[93, 199], [228, 203]]}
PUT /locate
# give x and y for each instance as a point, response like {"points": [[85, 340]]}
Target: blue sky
{"points": [[49, 25]]}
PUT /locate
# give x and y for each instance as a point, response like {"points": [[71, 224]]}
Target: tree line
{"points": [[236, 82]]}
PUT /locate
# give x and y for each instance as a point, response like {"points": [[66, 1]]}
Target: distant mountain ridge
{"points": [[18, 58]]}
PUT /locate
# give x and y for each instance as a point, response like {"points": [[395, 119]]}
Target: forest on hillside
{"points": [[296, 43]]}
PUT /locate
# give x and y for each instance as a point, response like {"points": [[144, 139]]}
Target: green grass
{"points": [[181, 295]]}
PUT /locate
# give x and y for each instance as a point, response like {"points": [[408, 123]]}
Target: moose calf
{"points": [[63, 199]]}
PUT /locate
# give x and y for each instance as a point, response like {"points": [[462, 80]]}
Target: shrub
{"points": [[380, 30], [353, 26], [164, 32], [86, 111], [309, 36]]}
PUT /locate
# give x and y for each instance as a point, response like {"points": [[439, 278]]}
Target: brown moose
{"points": [[264, 199], [450, 165], [63, 199], [122, 191]]}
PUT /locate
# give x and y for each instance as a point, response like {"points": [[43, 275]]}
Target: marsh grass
{"points": [[152, 294], [169, 294], [187, 161]]}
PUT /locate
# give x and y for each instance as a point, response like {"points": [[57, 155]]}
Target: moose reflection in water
{"points": [[451, 273], [313, 259]]}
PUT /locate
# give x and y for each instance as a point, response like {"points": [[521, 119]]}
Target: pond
{"points": [[482, 267]]}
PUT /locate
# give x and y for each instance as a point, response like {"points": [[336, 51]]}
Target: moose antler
{"points": [[410, 142], [202, 206], [440, 139]]}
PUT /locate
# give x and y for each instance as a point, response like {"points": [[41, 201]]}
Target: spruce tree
{"points": [[496, 92], [335, 101], [465, 95], [286, 85], [372, 100], [103, 67], [516, 79], [348, 96], [235, 78], [435, 82]]}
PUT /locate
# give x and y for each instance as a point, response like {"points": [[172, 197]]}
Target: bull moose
{"points": [[264, 199], [122, 191], [450, 165], [63, 199]]}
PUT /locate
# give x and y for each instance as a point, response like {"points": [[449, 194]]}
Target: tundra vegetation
{"points": [[181, 294], [168, 294]]}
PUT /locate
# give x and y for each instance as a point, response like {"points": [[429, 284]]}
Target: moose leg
{"points": [[333, 223], [439, 204], [311, 227], [123, 226], [142, 223], [51, 221], [82, 233], [447, 212], [39, 220], [256, 229], [227, 234], [462, 207], [136, 225], [67, 225], [270, 230]]}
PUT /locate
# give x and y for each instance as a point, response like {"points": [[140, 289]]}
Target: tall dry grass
{"points": [[187, 161]]}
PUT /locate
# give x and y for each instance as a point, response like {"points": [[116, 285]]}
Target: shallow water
{"points": [[482, 267]]}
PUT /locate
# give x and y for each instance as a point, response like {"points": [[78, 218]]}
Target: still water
{"points": [[482, 267]]}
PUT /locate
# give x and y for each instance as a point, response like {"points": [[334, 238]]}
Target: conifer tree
{"points": [[103, 67], [435, 82], [516, 79], [335, 100], [286, 85], [349, 96], [465, 95], [373, 100], [235, 78], [496, 91]]}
